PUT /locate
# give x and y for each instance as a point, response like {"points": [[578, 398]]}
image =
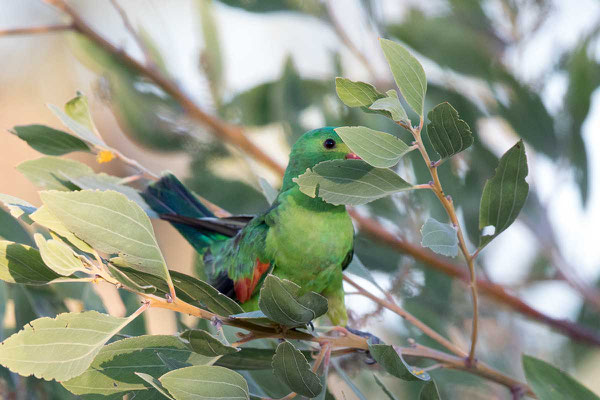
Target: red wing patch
{"points": [[245, 287]]}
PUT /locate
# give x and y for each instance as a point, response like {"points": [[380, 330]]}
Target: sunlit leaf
{"points": [[155, 383], [439, 237], [114, 369], [204, 382], [376, 148], [110, 223], [78, 119], [48, 172], [45, 218], [284, 302], [59, 348], [49, 141], [23, 264], [448, 134], [58, 256], [408, 74], [18, 208], [392, 362], [392, 105], [350, 182], [550, 383], [292, 369], [206, 344], [505, 193], [356, 94]]}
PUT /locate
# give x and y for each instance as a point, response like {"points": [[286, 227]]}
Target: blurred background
{"points": [[512, 68]]}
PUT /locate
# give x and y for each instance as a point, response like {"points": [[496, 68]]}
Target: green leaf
{"points": [[430, 391], [350, 182], [269, 191], [356, 94], [385, 388], [18, 208], [284, 302], [187, 287], [391, 104], [78, 119], [408, 74], [448, 134], [23, 264], [439, 237], [58, 256], [357, 268], [45, 218], [254, 317], [49, 141], [104, 182], [110, 223], [376, 148], [550, 383], [206, 344], [49, 172], [204, 382], [392, 361], [249, 358], [11, 229], [155, 383], [59, 348], [114, 369], [505, 193], [292, 369]]}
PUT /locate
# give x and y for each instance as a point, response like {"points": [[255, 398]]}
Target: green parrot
{"points": [[299, 238]]}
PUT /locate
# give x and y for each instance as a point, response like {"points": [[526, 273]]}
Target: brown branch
{"points": [[35, 30], [410, 318], [492, 290], [231, 133], [129, 26]]}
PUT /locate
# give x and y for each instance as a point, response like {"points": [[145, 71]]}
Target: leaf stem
{"points": [[448, 205]]}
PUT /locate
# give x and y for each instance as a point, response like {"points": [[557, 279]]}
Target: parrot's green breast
{"points": [[309, 241]]}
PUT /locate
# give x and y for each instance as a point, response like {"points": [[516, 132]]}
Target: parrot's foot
{"points": [[372, 340]]}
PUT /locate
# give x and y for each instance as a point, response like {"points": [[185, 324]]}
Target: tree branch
{"points": [[35, 30]]}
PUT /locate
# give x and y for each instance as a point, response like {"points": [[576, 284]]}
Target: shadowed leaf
{"points": [[206, 344], [18, 208], [23, 264], [283, 302], [376, 148], [429, 391], [393, 363], [292, 369], [49, 172], [49, 141], [448, 134], [385, 389], [356, 94], [391, 104], [505, 193], [350, 182]]}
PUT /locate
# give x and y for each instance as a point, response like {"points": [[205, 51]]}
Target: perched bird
{"points": [[299, 238]]}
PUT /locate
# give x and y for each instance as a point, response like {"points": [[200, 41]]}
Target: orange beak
{"points": [[352, 156]]}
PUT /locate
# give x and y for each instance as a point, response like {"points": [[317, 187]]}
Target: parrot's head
{"points": [[313, 147]]}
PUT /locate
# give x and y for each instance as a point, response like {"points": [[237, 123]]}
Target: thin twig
{"points": [[409, 317], [35, 30], [138, 40]]}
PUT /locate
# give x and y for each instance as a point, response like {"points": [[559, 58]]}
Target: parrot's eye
{"points": [[329, 144]]}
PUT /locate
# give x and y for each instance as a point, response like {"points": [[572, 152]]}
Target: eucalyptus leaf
{"points": [[18, 208], [356, 94], [284, 302], [23, 264], [376, 148], [205, 382], [550, 383], [505, 193], [49, 141], [59, 348], [110, 223], [155, 383], [430, 391], [350, 182], [49, 172], [58, 256], [292, 369], [206, 344], [408, 74], [392, 362], [449, 135], [439, 237], [45, 218], [392, 105], [114, 369]]}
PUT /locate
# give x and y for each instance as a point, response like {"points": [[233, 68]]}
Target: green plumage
{"points": [[299, 238]]}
